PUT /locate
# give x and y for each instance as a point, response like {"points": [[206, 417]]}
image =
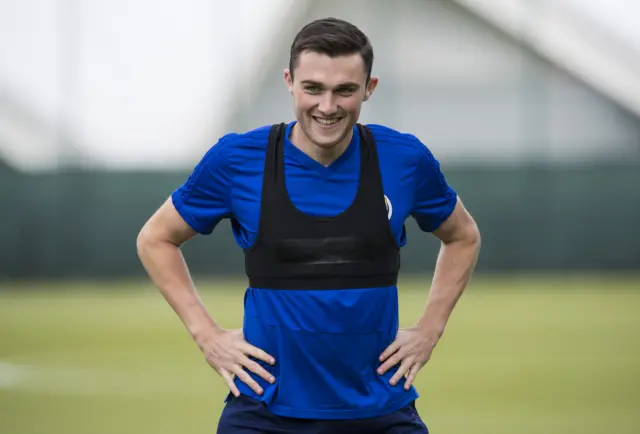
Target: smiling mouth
{"points": [[325, 122]]}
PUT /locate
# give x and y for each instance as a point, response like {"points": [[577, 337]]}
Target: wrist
{"points": [[431, 329], [203, 334]]}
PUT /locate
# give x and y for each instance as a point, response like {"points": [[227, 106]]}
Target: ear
{"points": [[288, 80], [371, 86]]}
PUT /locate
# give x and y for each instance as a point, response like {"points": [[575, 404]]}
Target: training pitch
{"points": [[520, 355]]}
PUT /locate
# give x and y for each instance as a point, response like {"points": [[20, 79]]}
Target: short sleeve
{"points": [[203, 200], [434, 199]]}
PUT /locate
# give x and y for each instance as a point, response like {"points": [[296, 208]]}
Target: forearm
{"points": [[454, 267], [168, 270]]}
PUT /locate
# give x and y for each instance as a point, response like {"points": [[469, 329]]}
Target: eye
{"points": [[312, 89], [346, 91]]}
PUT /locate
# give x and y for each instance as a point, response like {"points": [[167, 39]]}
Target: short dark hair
{"points": [[332, 37]]}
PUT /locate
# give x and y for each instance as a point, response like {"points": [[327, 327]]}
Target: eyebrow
{"points": [[341, 85]]}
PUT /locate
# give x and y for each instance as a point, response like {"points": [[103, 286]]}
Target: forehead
{"points": [[330, 70]]}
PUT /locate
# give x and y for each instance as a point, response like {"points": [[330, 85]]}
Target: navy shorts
{"points": [[244, 415]]}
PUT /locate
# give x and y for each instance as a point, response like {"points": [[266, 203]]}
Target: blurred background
{"points": [[531, 106]]}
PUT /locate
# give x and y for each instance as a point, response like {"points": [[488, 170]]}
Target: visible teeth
{"points": [[326, 121]]}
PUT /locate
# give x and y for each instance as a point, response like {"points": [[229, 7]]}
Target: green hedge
{"points": [[84, 224]]}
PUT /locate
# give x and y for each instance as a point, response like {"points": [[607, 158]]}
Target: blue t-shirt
{"points": [[326, 342]]}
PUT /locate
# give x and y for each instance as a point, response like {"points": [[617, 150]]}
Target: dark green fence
{"points": [[84, 224]]}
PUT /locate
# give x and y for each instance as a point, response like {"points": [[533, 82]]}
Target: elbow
{"points": [[467, 234], [153, 236], [470, 234], [140, 244], [475, 241], [143, 240], [474, 235]]}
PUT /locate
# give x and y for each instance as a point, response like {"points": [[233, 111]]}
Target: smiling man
{"points": [[318, 205]]}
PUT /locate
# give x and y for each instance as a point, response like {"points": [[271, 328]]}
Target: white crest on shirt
{"points": [[388, 206]]}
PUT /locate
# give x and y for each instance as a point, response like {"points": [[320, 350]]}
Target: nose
{"points": [[327, 104]]}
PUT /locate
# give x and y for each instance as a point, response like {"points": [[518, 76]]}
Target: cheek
{"points": [[302, 102], [351, 105]]}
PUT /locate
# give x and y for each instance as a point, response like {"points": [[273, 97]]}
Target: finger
{"points": [[228, 377], [404, 367], [392, 348], [391, 362], [257, 369], [413, 372], [256, 352], [246, 379]]}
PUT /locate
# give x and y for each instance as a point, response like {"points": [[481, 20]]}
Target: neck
{"points": [[322, 155]]}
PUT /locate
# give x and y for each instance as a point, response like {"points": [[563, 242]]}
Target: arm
{"points": [[159, 251], [459, 251], [226, 351], [196, 208], [437, 209], [412, 348]]}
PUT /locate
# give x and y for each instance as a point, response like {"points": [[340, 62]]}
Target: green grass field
{"points": [[520, 356]]}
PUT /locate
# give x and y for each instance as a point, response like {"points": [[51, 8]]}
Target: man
{"points": [[319, 207]]}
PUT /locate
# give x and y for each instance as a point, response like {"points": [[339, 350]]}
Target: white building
{"points": [[152, 84]]}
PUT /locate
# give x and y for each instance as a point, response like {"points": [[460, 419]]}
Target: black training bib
{"points": [[292, 250]]}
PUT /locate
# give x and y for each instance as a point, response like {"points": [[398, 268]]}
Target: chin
{"points": [[327, 142]]}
